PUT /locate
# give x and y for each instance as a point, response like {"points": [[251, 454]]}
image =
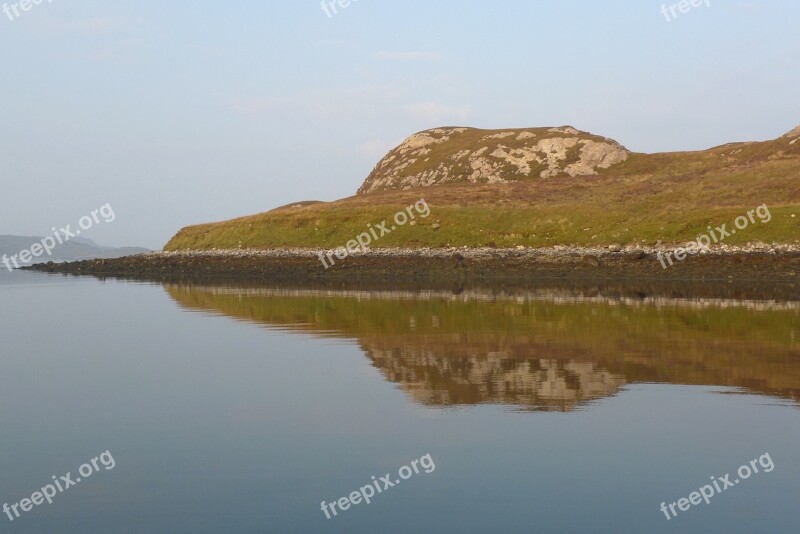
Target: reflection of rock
{"points": [[552, 352], [553, 385]]}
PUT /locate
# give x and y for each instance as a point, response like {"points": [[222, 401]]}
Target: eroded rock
{"points": [[447, 155]]}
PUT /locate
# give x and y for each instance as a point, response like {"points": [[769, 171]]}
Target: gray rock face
{"points": [[447, 155]]}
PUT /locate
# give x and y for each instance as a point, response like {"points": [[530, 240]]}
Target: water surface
{"points": [[231, 409]]}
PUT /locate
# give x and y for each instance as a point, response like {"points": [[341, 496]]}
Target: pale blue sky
{"points": [[185, 112]]}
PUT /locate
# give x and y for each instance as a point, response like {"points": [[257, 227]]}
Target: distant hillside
{"points": [[536, 188], [76, 248]]}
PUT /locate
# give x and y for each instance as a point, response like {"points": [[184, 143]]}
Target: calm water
{"points": [[239, 410]]}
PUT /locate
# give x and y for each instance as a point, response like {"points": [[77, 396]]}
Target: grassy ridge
{"points": [[669, 197]]}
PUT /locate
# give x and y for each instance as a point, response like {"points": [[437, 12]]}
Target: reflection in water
{"points": [[535, 384], [550, 351]]}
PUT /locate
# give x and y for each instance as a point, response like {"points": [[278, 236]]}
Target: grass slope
{"points": [[669, 197]]}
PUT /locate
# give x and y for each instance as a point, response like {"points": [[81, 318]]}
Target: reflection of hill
{"points": [[535, 354], [536, 384]]}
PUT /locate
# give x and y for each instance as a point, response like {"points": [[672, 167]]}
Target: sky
{"points": [[179, 113]]}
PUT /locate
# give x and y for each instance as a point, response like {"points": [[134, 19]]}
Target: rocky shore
{"points": [[775, 263]]}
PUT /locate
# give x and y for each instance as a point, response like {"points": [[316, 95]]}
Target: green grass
{"points": [[669, 197]]}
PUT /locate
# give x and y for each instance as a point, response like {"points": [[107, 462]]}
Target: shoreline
{"points": [[764, 269]]}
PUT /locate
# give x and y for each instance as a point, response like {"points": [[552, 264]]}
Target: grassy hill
{"points": [[537, 188]]}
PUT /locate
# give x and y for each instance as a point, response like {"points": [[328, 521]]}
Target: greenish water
{"points": [[239, 410]]}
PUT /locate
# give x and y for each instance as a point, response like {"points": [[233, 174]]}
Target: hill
{"points": [[537, 188], [469, 155], [75, 249]]}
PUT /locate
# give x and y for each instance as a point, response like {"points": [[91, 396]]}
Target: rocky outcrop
{"points": [[449, 155]]}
